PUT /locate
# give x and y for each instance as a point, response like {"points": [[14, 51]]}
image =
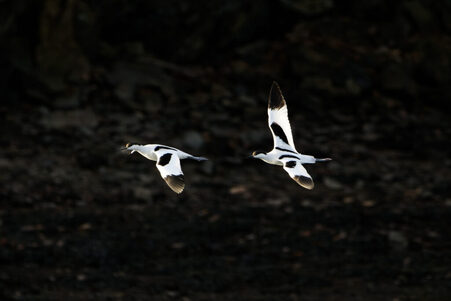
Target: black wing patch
{"points": [[276, 100], [176, 182], [285, 150], [288, 156], [162, 147], [164, 159], [290, 164], [279, 132], [304, 181]]}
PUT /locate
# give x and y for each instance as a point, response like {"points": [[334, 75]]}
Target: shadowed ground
{"points": [[79, 220]]}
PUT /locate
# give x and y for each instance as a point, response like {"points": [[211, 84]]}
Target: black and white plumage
{"points": [[168, 162], [284, 152]]}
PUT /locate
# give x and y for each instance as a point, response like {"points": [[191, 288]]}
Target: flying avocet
{"points": [[284, 152], [168, 162]]}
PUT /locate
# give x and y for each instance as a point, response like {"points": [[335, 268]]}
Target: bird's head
{"points": [[132, 147], [258, 155]]}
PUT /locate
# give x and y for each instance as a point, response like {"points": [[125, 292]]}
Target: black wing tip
{"points": [[276, 100], [176, 182], [305, 182]]}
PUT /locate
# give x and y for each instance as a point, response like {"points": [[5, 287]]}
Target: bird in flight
{"points": [[168, 162], [284, 152]]}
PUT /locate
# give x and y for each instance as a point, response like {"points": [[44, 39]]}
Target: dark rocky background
{"points": [[367, 83]]}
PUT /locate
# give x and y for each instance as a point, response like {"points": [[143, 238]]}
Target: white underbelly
{"points": [[151, 156]]}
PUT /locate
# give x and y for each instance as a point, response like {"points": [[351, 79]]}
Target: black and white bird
{"points": [[168, 162], [284, 152]]}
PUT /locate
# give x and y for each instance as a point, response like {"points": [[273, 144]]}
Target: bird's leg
{"points": [[322, 159]]}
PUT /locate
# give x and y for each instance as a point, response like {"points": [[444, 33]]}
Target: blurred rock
{"points": [[142, 193], [398, 240], [332, 183], [193, 140], [220, 91], [396, 78], [125, 92], [247, 100], [75, 118], [277, 202], [368, 203], [58, 55], [70, 101], [434, 68], [254, 137], [127, 77], [208, 167], [369, 132], [322, 84], [309, 7], [353, 87], [150, 100], [240, 189], [134, 49], [420, 14], [239, 66]]}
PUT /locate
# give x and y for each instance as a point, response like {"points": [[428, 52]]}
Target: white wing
{"points": [[297, 172], [168, 163], [278, 119]]}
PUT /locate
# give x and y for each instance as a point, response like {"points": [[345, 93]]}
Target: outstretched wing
{"points": [[278, 118], [168, 164], [298, 173]]}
